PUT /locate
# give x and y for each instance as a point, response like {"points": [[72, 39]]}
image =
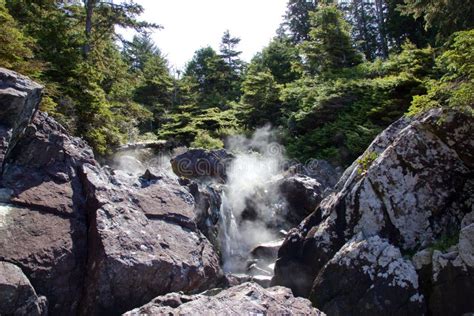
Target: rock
{"points": [[466, 244], [266, 252], [302, 193], [143, 242], [18, 297], [248, 298], [50, 249], [452, 280], [19, 97], [208, 201], [201, 163], [44, 228], [368, 277], [412, 186], [320, 170], [91, 239]]}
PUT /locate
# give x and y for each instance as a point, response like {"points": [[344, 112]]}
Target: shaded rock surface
{"points": [[17, 295], [245, 299], [90, 239], [302, 194], [411, 187]]}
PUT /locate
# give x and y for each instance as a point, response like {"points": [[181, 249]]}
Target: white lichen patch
{"points": [[376, 258], [5, 210]]}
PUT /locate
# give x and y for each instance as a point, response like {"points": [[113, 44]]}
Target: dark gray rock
{"points": [[201, 163], [17, 295]]}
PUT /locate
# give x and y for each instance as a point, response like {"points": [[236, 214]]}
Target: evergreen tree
{"points": [[260, 98], [15, 47], [329, 46], [445, 17], [281, 58], [139, 51], [233, 71], [297, 20], [361, 14]]}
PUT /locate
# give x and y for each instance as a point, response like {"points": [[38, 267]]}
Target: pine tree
{"points": [[15, 47], [297, 20], [329, 46]]}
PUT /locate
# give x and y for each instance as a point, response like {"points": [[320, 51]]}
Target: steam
{"points": [[136, 162], [250, 189]]}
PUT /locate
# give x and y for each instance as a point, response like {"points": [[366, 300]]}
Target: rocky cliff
{"points": [[397, 235], [91, 240]]}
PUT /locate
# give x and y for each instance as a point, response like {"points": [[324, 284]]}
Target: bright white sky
{"points": [[192, 24]]}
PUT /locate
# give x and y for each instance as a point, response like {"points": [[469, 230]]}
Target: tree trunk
{"points": [[89, 7]]}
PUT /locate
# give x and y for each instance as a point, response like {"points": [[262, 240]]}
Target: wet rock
{"points": [[248, 298], [201, 163], [368, 277], [266, 252], [17, 295], [412, 186]]}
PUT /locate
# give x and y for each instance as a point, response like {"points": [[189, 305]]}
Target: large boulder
{"points": [[411, 187], [201, 163], [245, 299], [368, 277], [143, 242], [17, 296]]}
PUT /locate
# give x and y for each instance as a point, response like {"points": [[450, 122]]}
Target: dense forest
{"points": [[333, 77]]}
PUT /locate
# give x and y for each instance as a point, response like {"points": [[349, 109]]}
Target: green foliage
{"points": [[329, 46], [366, 161], [445, 17], [15, 47], [260, 99], [337, 117], [204, 140], [281, 58], [455, 88], [445, 242]]}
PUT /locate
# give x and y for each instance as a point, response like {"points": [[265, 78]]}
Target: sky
{"points": [[191, 24]]}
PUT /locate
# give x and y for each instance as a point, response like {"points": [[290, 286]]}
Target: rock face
{"points": [[17, 295], [412, 187], [245, 299], [19, 98], [369, 276], [92, 240], [302, 194], [201, 163], [143, 242]]}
